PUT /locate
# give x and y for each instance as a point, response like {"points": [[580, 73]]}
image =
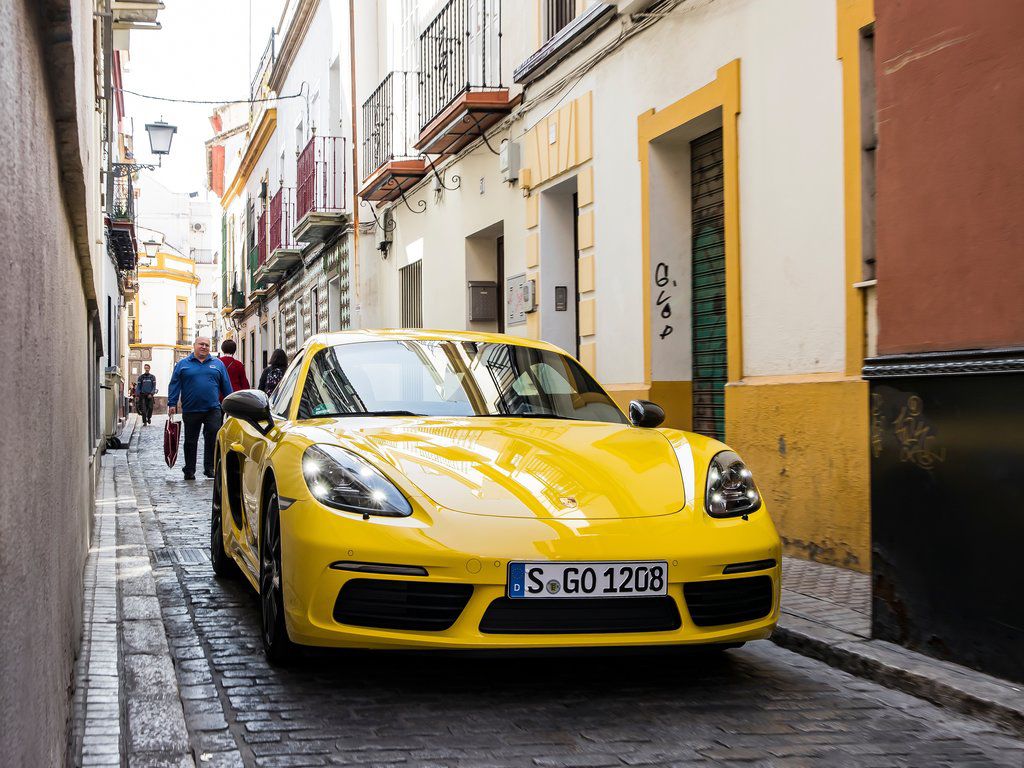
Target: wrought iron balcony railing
{"points": [[460, 51], [261, 238], [260, 82], [122, 206], [282, 219], [389, 121], [322, 178]]}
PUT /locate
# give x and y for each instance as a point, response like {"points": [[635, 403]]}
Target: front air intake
{"points": [[391, 604], [576, 615], [728, 601]]}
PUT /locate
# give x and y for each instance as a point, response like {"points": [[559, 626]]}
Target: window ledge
{"points": [[568, 39]]}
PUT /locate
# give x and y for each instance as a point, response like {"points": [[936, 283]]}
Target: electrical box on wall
{"points": [[521, 299], [483, 301], [508, 160]]}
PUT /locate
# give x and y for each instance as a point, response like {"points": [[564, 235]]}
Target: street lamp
{"points": [[160, 136], [151, 247]]}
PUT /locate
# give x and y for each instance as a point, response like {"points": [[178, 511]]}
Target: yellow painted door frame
{"points": [[721, 93]]}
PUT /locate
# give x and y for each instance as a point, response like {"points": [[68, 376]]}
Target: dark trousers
{"points": [[146, 408], [209, 421]]}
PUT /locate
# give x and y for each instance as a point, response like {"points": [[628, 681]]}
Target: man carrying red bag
{"points": [[202, 382]]}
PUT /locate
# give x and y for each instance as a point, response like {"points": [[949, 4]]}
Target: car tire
{"points": [[279, 648], [221, 561]]}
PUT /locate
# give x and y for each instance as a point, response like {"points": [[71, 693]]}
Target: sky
{"points": [[206, 51]]}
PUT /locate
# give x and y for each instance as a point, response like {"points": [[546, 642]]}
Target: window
{"points": [[281, 400], [411, 279], [557, 14], [314, 311], [133, 324], [204, 300], [300, 324], [182, 310], [443, 378], [300, 136]]}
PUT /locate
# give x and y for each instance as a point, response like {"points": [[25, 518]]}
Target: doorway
{"points": [[559, 266]]}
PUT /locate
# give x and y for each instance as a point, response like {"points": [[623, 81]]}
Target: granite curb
{"points": [[152, 715], [949, 685]]}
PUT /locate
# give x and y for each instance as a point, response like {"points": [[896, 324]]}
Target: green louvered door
{"points": [[708, 307]]}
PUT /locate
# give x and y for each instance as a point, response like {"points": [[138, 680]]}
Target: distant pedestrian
{"points": [[202, 382], [274, 372], [236, 368], [145, 389]]}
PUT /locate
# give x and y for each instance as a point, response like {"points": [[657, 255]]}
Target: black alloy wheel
{"points": [[276, 644], [222, 563]]}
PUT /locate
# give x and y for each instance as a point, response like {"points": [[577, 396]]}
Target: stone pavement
{"points": [[200, 693], [826, 614]]}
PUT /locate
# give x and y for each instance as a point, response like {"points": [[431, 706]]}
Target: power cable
{"points": [[208, 101]]}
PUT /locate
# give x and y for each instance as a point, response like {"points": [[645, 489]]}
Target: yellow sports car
{"points": [[419, 489]]}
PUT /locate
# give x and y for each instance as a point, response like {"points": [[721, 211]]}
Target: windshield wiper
{"points": [[536, 416], [366, 413]]}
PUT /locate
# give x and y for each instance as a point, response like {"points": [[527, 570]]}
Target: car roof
{"points": [[424, 334]]}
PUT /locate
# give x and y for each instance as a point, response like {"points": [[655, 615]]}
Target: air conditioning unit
{"points": [[198, 226]]}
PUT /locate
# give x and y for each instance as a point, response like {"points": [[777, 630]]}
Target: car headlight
{"points": [[339, 479], [730, 489]]}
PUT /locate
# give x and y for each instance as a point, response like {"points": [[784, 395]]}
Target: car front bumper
{"points": [[475, 550]]}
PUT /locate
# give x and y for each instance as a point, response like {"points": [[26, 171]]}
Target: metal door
{"points": [[708, 283]]}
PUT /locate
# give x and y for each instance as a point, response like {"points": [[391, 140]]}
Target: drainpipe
{"points": [[354, 253]]}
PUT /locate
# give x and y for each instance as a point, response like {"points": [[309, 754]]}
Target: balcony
{"points": [[390, 165], [321, 194], [120, 220], [282, 251], [461, 93], [237, 305]]}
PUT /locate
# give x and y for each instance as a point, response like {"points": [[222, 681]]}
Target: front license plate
{"points": [[609, 579]]}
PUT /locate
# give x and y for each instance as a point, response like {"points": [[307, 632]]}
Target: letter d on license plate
{"points": [[643, 578]]}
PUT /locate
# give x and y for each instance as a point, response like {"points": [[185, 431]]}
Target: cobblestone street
{"points": [[759, 705]]}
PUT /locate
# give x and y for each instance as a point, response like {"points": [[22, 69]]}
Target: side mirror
{"points": [[643, 413], [251, 405]]}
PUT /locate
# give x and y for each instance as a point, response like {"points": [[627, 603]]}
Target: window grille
{"points": [[411, 277]]}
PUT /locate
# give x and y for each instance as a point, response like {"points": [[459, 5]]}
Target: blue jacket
{"points": [[200, 384]]}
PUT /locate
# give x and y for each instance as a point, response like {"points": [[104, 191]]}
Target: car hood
{"points": [[528, 468]]}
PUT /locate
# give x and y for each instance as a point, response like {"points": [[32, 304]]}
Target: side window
{"points": [[281, 400]]}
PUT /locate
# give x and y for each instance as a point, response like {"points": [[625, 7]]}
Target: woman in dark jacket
{"points": [[274, 372]]}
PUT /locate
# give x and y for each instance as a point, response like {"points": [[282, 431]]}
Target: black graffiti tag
{"points": [[662, 281]]}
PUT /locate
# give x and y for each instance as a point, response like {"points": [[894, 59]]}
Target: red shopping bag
{"points": [[172, 433]]}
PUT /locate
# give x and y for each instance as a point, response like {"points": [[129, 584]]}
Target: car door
{"points": [[253, 450]]}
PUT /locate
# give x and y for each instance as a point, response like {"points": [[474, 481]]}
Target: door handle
{"points": [[237, 447]]}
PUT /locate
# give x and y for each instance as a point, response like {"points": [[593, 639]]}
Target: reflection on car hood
{"points": [[535, 468]]}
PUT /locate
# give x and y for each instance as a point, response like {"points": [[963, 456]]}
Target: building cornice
{"points": [[169, 274], [955, 363], [258, 142]]}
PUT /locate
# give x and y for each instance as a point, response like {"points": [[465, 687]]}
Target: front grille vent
{"points": [[571, 615], [728, 601], [392, 604]]}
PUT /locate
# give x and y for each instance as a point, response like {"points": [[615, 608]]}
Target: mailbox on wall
{"points": [[483, 301]]}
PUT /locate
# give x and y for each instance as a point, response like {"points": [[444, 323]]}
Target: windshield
{"points": [[451, 378]]}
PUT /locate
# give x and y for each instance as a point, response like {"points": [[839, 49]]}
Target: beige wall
{"points": [[44, 451]]}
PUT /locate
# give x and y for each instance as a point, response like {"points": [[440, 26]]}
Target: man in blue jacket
{"points": [[202, 381]]}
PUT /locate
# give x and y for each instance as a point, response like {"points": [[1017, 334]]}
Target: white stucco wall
{"points": [[790, 170], [790, 167]]}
